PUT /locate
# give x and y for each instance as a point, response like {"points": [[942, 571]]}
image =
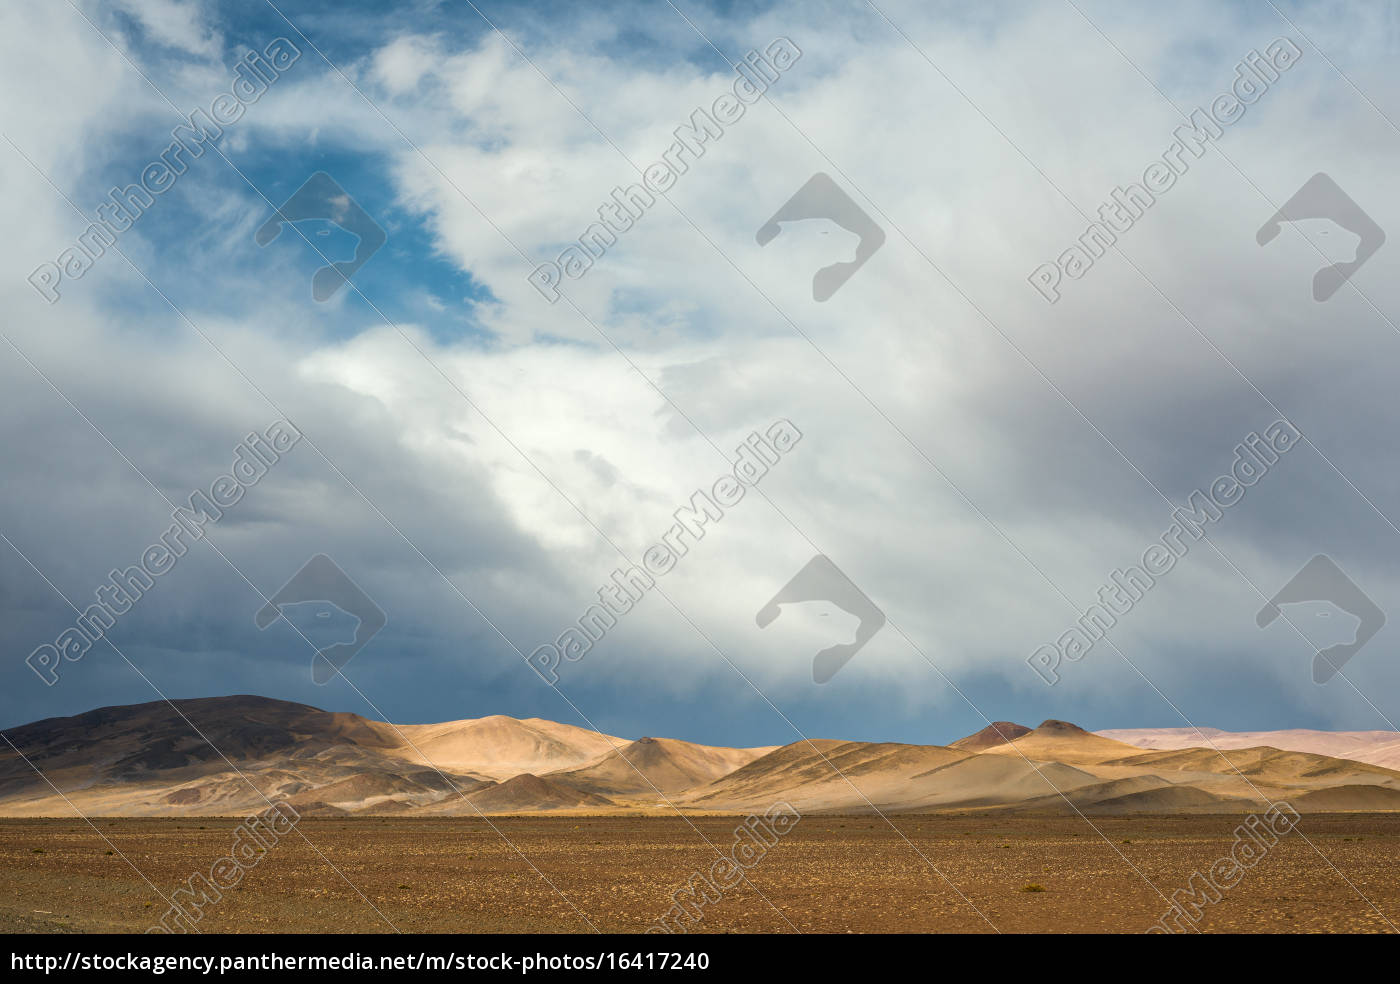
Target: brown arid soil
{"points": [[829, 874]]}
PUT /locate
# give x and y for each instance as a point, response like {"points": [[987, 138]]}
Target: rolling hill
{"points": [[1376, 747], [235, 755]]}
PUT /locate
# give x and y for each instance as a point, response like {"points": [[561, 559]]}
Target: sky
{"points": [[478, 455]]}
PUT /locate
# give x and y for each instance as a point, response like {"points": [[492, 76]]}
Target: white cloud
{"points": [[730, 335], [184, 26]]}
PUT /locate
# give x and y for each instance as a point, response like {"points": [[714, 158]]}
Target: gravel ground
{"points": [[943, 873]]}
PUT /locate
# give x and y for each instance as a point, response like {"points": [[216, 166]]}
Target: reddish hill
{"points": [[996, 733]]}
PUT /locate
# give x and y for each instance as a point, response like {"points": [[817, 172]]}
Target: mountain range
{"points": [[232, 755]]}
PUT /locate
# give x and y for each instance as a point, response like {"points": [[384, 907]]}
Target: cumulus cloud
{"points": [[977, 460]]}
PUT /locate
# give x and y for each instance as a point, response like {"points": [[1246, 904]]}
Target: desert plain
{"points": [[500, 825], [831, 874]]}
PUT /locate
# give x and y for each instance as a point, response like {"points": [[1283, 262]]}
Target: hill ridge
{"points": [[153, 759]]}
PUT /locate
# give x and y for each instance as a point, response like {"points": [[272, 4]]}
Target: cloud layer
{"points": [[978, 461]]}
